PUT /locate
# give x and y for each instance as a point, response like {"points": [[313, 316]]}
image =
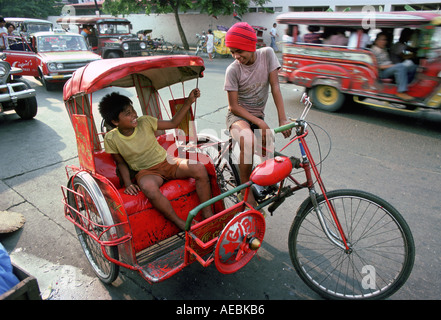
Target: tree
{"points": [[211, 7], [39, 9]]}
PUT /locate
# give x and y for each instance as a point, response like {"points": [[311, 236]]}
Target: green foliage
{"points": [[39, 9], [211, 7]]}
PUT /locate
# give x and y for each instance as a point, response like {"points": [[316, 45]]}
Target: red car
{"points": [[51, 57], [334, 75]]}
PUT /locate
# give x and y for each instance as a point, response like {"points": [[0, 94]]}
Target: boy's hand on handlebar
{"points": [[286, 133]]}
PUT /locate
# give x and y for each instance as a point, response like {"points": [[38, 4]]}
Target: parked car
{"points": [[27, 26], [51, 57], [109, 37], [16, 94], [336, 75]]}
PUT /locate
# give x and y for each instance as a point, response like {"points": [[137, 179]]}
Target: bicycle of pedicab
{"points": [[344, 244], [335, 236]]}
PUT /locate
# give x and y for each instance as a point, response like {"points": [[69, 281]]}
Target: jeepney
{"points": [[334, 76], [110, 37]]}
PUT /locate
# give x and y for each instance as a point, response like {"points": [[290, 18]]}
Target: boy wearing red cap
{"points": [[247, 82]]}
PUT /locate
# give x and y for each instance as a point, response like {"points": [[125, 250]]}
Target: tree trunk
{"points": [[181, 31]]}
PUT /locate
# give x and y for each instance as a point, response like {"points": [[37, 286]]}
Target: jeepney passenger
{"points": [[313, 36], [289, 36], [3, 33], [87, 31], [403, 72], [401, 51], [335, 37], [11, 28], [364, 41]]}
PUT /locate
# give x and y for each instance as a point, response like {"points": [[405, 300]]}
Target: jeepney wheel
{"points": [[87, 201], [26, 108], [327, 98]]}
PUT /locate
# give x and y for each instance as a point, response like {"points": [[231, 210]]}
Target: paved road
{"points": [[393, 155]]}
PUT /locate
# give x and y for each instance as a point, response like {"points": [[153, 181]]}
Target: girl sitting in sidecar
{"points": [[136, 151]]}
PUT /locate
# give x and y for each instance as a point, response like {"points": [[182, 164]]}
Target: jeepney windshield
{"points": [[52, 43], [36, 27], [113, 28]]}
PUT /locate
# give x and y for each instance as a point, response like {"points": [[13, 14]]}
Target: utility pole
{"points": [[97, 10]]}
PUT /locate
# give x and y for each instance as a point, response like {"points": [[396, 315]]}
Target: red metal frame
{"points": [[307, 167], [140, 227]]}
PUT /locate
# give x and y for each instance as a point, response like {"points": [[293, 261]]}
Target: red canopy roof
{"points": [[161, 70]]}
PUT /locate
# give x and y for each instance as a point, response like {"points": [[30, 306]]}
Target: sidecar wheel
{"points": [[90, 204]]}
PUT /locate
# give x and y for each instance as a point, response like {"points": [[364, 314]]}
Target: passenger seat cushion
{"points": [[105, 166], [171, 190]]}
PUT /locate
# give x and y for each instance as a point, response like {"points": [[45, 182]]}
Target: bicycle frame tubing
{"points": [[308, 163]]}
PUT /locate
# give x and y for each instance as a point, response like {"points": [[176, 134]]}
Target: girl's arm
{"points": [[121, 164], [177, 118]]}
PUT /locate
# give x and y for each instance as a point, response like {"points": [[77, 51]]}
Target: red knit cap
{"points": [[241, 36]]}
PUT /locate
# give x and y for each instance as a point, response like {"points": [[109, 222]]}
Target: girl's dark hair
{"points": [[111, 105]]}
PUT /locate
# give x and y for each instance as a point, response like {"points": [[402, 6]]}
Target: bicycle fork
{"points": [[340, 239]]}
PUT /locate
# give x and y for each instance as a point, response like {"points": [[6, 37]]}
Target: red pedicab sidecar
{"points": [[116, 229]]}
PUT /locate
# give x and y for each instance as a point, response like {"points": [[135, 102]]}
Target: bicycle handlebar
{"points": [[285, 127]]}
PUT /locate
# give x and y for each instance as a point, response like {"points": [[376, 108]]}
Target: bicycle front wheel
{"points": [[381, 254]]}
